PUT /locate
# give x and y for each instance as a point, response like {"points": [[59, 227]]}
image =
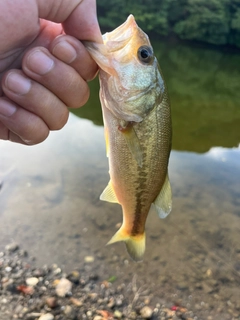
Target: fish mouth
{"points": [[122, 33], [112, 42]]}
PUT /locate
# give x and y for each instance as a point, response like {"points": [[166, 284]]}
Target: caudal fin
{"points": [[135, 244]]}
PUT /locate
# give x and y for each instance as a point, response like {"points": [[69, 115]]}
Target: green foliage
{"points": [[205, 20], [211, 21]]}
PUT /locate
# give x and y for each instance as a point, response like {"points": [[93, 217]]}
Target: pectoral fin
{"points": [[108, 194], [163, 202], [133, 144]]}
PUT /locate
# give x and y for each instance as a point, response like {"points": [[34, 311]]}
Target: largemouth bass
{"points": [[137, 122]]}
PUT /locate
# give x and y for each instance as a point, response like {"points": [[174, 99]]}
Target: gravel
{"points": [[48, 293]]}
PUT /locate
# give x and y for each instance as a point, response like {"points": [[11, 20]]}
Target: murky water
{"points": [[49, 194]]}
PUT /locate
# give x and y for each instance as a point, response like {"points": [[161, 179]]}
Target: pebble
{"points": [[146, 312], [76, 302], [63, 287], [33, 315], [92, 297], [68, 310], [12, 247], [119, 302], [46, 316], [89, 259], [51, 302], [132, 315], [111, 303], [74, 277], [117, 314], [32, 281]]}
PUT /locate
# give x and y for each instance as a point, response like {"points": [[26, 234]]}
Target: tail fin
{"points": [[135, 244]]}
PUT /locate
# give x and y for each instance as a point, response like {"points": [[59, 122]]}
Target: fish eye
{"points": [[145, 54]]}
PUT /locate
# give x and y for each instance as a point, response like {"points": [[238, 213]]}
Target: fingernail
{"points": [[65, 51], [6, 108], [39, 62], [17, 83]]}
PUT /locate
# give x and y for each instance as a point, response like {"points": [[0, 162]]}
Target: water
{"points": [[49, 196]]}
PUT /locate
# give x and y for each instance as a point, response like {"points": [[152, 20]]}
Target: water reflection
{"points": [[204, 91]]}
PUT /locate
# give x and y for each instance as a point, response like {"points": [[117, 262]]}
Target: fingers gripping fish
{"points": [[137, 122]]}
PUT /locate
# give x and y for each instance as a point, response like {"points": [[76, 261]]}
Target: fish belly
{"points": [[137, 187]]}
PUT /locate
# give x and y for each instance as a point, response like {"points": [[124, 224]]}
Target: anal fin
{"points": [[108, 194], [163, 202]]}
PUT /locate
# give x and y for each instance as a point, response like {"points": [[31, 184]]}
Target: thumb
{"points": [[78, 17]]}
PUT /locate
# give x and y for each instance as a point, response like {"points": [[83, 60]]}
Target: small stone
{"points": [[51, 302], [209, 272], [76, 302], [119, 302], [46, 316], [98, 318], [132, 315], [89, 313], [89, 259], [12, 247], [8, 269], [93, 296], [22, 253], [74, 277], [68, 310], [63, 287], [33, 315], [146, 312], [32, 281], [111, 303], [39, 272], [18, 309], [117, 314], [4, 301], [57, 271]]}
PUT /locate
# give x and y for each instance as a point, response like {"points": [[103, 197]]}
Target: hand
{"points": [[44, 68]]}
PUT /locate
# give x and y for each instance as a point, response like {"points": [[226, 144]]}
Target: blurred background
{"points": [[49, 195]]}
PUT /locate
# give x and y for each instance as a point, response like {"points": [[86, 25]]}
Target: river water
{"points": [[49, 194]]}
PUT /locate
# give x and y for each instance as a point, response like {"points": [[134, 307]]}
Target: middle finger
{"points": [[58, 77]]}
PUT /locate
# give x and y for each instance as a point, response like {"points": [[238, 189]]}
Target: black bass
{"points": [[137, 122]]}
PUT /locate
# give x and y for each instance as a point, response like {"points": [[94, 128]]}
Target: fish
{"points": [[138, 132]]}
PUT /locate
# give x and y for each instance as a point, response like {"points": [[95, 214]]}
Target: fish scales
{"points": [[137, 122]]}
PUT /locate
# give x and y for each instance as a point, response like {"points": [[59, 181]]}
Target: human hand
{"points": [[43, 67]]}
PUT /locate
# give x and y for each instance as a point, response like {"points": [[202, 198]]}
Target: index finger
{"points": [[78, 17], [82, 22]]}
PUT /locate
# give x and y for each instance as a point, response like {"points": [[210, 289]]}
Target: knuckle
{"points": [[83, 98], [60, 121]]}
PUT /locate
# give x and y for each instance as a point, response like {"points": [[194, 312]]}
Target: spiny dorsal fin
{"points": [[108, 194], [133, 144], [163, 202]]}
